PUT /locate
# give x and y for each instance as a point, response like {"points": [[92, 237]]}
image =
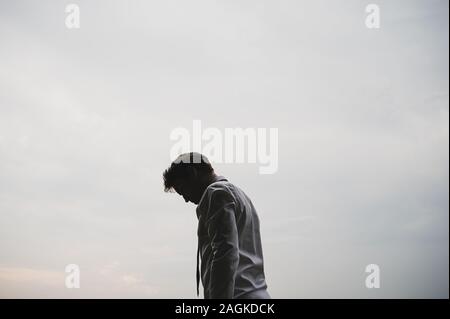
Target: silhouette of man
{"points": [[229, 241]]}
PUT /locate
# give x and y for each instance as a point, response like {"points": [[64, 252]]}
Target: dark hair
{"points": [[179, 168]]}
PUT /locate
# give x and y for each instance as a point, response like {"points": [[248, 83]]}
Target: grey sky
{"points": [[363, 119]]}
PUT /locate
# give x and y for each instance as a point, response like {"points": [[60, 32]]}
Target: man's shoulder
{"points": [[219, 192], [220, 189]]}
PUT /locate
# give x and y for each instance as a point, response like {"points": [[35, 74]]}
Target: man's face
{"points": [[189, 189]]}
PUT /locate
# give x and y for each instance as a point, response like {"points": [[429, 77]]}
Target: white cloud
{"points": [[85, 117]]}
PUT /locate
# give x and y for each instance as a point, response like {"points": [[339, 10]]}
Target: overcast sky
{"points": [[363, 120]]}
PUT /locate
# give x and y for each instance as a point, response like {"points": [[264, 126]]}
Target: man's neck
{"points": [[209, 180]]}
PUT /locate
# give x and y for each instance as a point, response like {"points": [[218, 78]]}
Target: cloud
{"points": [[85, 118], [32, 276]]}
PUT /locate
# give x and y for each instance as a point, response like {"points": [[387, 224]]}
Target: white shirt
{"points": [[229, 244]]}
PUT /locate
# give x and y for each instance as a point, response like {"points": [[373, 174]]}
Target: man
{"points": [[229, 240]]}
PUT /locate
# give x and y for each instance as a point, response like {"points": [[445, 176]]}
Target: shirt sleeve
{"points": [[222, 229]]}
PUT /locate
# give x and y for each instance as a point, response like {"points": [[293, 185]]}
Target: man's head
{"points": [[189, 175]]}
